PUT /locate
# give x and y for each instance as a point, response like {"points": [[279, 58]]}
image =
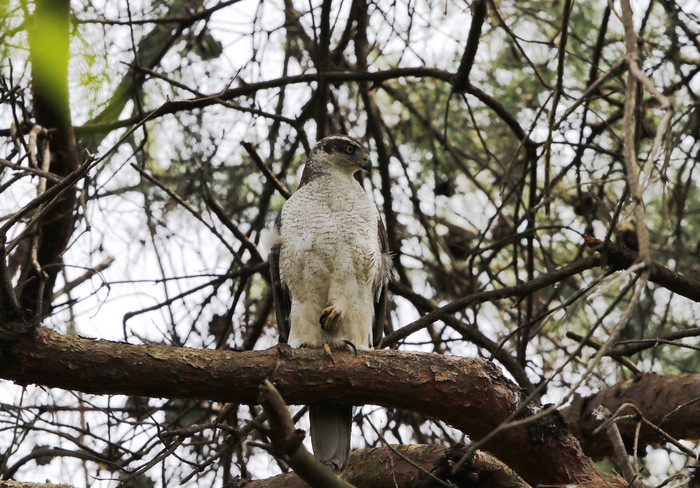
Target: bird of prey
{"points": [[330, 266]]}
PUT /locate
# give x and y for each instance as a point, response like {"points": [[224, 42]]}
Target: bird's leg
{"points": [[331, 318], [327, 348], [345, 343]]}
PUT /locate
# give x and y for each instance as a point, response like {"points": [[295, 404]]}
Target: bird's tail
{"points": [[331, 426]]}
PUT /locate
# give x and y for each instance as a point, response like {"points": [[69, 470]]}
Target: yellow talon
{"points": [[327, 348], [331, 318]]}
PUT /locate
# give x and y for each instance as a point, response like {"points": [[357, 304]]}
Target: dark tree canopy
{"points": [[536, 171]]}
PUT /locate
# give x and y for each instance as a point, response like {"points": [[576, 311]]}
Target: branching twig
{"points": [[630, 136], [618, 444], [187, 207], [639, 416], [486, 296], [596, 345], [83, 278], [621, 258]]}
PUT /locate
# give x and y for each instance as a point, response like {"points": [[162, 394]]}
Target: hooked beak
{"points": [[366, 165]]}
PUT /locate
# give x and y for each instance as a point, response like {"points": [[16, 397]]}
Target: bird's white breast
{"points": [[330, 255]]}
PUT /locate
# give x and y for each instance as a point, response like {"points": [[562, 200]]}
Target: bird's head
{"points": [[340, 153]]}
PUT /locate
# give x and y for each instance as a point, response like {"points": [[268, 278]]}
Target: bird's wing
{"points": [[380, 305], [280, 293]]}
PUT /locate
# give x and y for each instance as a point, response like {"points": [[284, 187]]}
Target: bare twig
{"points": [[465, 66], [84, 277], [287, 442], [621, 258], [265, 170], [630, 140], [9, 302], [638, 416], [187, 207], [596, 345], [618, 444], [487, 296], [228, 223], [30, 170], [633, 346]]}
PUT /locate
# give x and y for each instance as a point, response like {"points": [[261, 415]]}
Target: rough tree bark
{"points": [[408, 466], [470, 394], [667, 401]]}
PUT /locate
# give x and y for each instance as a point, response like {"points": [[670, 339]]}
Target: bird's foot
{"points": [[342, 344], [331, 318], [349, 344]]}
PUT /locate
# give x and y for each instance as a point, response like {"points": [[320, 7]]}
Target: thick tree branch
{"points": [[49, 41], [668, 401], [469, 394], [619, 258], [246, 89], [344, 76], [187, 19], [470, 333], [411, 466]]}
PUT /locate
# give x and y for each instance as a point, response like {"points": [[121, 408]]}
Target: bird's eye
{"points": [[349, 149]]}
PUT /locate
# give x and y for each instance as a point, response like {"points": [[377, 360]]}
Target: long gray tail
{"points": [[331, 426]]}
